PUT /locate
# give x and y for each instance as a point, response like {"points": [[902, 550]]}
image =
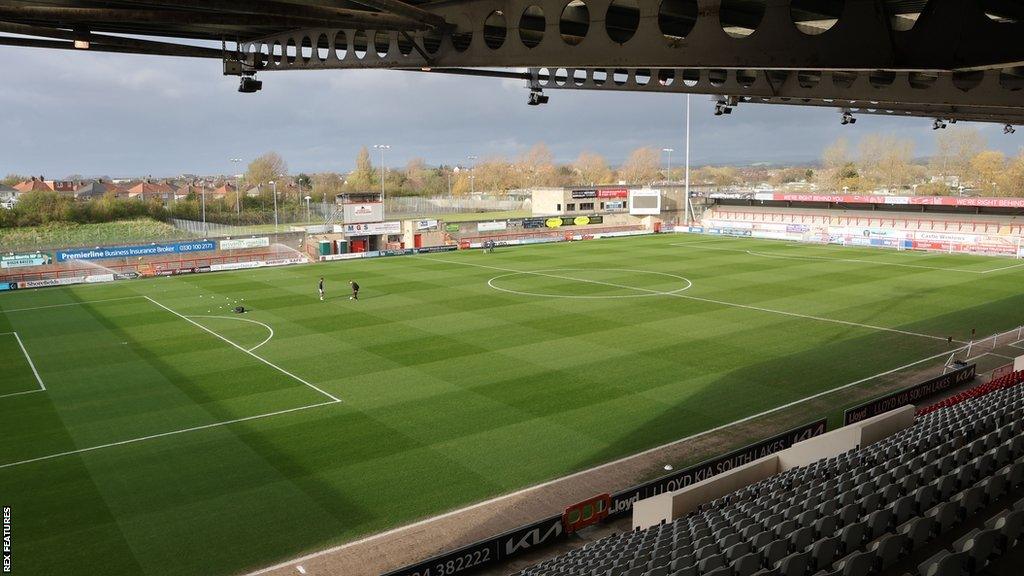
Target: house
{"points": [[147, 190], [96, 189], [33, 185], [8, 196]]}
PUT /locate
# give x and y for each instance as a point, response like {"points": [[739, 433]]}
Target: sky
{"points": [[94, 114]]}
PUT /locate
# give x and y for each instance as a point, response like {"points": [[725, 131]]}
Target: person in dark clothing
{"points": [[320, 287], [355, 290]]}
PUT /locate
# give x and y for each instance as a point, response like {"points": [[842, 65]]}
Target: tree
{"points": [[591, 169], [264, 169], [1012, 181], [836, 165], [536, 167], [955, 148], [363, 177], [886, 159], [641, 167], [494, 174], [12, 179], [989, 167], [326, 185]]}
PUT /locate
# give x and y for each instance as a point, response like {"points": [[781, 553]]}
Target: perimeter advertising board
{"points": [[24, 260], [910, 395], [133, 251], [240, 243], [551, 530], [491, 226]]}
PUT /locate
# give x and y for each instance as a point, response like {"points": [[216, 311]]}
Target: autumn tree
{"points": [[838, 170], [326, 185], [591, 169], [886, 159], [12, 179], [988, 168], [1012, 181], [641, 167], [536, 167], [264, 169], [955, 148]]}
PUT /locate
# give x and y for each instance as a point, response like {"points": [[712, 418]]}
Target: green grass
{"points": [[453, 391], [59, 235]]}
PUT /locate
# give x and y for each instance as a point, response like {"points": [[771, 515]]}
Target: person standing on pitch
{"points": [[321, 288], [355, 290]]}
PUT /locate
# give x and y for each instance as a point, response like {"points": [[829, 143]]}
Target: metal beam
{"points": [[182, 51], [407, 10], [133, 44], [97, 16]]}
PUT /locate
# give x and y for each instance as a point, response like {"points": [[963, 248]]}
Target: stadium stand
{"points": [[935, 499]]}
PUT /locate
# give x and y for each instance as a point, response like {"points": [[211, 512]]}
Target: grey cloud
{"points": [[132, 115]]}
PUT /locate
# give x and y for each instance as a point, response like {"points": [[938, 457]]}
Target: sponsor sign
{"points": [[534, 222], [491, 226], [451, 227], [373, 228], [896, 200], [133, 251], [359, 213], [613, 193], [584, 194], [4, 286], [51, 282], [240, 243], [317, 229], [24, 260], [910, 395], [645, 202], [428, 224], [99, 278], [552, 529], [622, 502], [616, 205]]}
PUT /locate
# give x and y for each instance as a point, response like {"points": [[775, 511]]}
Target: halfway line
{"points": [[708, 300]]}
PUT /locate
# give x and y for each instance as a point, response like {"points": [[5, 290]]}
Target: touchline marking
{"points": [[71, 304], [163, 434], [708, 300], [243, 320], [30, 362], [855, 260], [490, 501], [261, 359]]}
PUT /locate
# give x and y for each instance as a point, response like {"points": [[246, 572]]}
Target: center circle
{"points": [[559, 273]]}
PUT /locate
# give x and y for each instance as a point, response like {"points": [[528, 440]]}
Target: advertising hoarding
{"points": [[910, 395], [133, 251], [240, 243], [491, 226], [25, 260], [372, 229]]}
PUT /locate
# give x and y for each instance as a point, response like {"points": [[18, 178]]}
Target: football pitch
{"points": [[146, 429]]}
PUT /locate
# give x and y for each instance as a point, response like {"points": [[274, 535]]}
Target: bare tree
{"points": [[641, 167], [886, 160], [955, 148], [592, 169]]}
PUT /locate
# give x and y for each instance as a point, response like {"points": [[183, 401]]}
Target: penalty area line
{"points": [[249, 352], [83, 303], [163, 434]]}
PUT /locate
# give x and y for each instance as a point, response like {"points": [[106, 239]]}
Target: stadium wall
{"points": [[669, 506], [985, 234]]}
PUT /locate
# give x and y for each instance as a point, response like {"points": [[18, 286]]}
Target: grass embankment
{"points": [[56, 235]]}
